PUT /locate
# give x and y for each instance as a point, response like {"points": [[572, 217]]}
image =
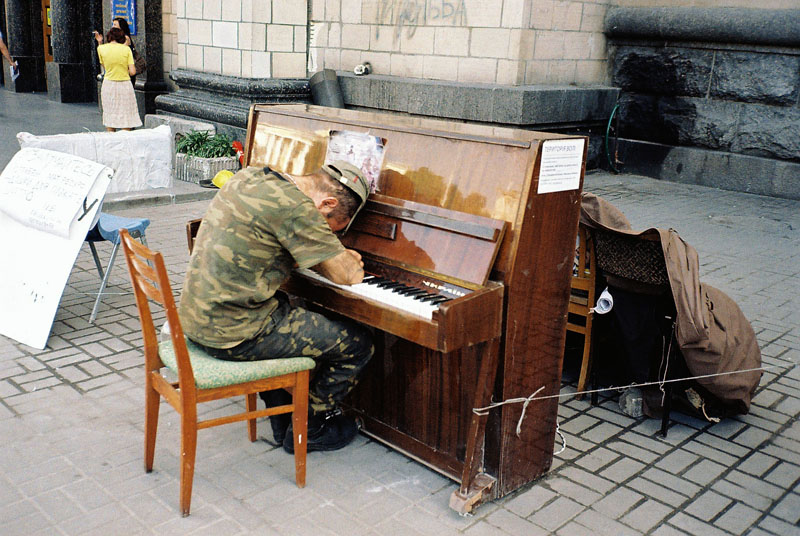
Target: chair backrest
{"points": [[192, 226], [636, 259], [584, 265], [150, 281]]}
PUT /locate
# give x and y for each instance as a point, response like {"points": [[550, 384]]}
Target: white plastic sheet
{"points": [[141, 159]]}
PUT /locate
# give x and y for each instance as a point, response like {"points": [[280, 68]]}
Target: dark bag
{"points": [[138, 61]]}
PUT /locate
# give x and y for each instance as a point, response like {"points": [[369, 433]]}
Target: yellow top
{"points": [[115, 58]]}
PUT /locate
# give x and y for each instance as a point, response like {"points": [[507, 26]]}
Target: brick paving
{"points": [[71, 420]]}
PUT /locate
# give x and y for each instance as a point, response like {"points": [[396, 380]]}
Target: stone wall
{"points": [[250, 39], [511, 42], [723, 85]]}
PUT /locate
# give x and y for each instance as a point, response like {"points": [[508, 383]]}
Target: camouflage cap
{"points": [[353, 178]]}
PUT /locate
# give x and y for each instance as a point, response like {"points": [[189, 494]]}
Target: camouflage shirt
{"points": [[255, 230]]}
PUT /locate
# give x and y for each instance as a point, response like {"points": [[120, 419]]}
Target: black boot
{"points": [[279, 423], [330, 430]]}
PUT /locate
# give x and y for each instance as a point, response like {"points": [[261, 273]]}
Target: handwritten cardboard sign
{"points": [[48, 201]]}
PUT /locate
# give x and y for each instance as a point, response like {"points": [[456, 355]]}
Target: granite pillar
{"points": [[149, 42], [25, 45], [69, 75]]}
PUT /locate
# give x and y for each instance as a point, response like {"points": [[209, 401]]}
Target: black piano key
{"points": [[440, 299], [408, 291], [403, 289], [418, 292], [427, 298]]}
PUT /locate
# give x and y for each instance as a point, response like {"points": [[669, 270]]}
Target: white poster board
{"points": [[562, 161], [48, 201]]}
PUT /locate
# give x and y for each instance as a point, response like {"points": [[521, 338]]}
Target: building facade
{"points": [[559, 65]]}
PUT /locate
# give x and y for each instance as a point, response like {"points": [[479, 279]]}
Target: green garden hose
{"points": [[611, 162]]}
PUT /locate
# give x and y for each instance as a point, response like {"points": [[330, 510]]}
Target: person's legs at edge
{"points": [[341, 349]]}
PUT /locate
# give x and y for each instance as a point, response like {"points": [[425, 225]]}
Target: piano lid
{"points": [[456, 246]]}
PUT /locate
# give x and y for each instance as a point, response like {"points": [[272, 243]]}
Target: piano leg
{"points": [[475, 487]]}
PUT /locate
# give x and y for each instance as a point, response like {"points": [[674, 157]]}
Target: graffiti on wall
{"points": [[408, 15]]}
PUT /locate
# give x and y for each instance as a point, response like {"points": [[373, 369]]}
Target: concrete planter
{"points": [[195, 169]]}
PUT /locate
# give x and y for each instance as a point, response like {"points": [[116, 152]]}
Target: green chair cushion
{"points": [[210, 372]]}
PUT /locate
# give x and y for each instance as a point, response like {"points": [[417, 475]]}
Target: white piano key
{"points": [[381, 295]]}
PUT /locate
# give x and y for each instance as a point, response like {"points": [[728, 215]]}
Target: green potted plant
{"points": [[201, 155]]}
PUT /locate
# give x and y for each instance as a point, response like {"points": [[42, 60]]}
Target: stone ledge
{"points": [[225, 100], [727, 171], [179, 192], [519, 106], [780, 27]]}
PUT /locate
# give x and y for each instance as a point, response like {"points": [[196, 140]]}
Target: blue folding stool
{"points": [[107, 228]]}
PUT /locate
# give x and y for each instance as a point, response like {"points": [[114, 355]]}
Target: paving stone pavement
{"points": [[71, 419]]}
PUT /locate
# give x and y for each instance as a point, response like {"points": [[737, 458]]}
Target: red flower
{"points": [[237, 146]]}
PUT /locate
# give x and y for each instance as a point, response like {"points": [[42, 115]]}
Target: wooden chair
{"points": [[202, 378], [581, 301], [636, 264]]}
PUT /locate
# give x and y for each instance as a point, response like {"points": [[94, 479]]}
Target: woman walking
{"points": [[117, 96]]}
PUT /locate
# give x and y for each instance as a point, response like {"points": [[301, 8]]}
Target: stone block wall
{"points": [[721, 80], [509, 42], [250, 39]]}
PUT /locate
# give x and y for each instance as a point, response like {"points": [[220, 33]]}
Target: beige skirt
{"points": [[119, 104]]}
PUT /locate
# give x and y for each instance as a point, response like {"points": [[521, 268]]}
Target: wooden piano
{"points": [[472, 219]]}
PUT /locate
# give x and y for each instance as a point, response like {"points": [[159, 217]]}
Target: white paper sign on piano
{"points": [[48, 201], [562, 161]]}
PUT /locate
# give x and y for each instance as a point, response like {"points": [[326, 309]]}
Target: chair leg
{"points": [[250, 400], [104, 283], [666, 409], [96, 260], [668, 387], [188, 451], [152, 405], [300, 426], [586, 364]]}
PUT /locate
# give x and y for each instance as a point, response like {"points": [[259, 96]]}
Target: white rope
{"points": [[563, 439], [527, 400]]}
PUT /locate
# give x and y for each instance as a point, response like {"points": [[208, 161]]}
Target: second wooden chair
{"points": [[581, 301]]}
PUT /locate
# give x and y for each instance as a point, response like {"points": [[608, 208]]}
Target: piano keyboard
{"points": [[410, 299]]}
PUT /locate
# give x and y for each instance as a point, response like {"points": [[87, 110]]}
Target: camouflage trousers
{"points": [[340, 348]]}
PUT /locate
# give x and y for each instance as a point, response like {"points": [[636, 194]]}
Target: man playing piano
{"points": [[260, 226]]}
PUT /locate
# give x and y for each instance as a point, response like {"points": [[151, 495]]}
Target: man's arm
{"points": [[5, 53], [346, 268]]}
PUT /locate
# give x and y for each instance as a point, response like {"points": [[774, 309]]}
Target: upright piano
{"points": [[468, 245]]}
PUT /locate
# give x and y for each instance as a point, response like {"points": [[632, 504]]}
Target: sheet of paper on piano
{"points": [[42, 246], [562, 165], [360, 149]]}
